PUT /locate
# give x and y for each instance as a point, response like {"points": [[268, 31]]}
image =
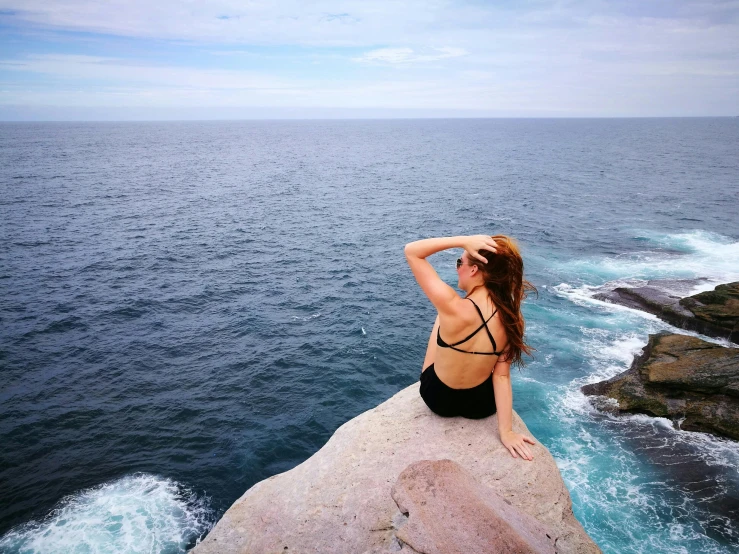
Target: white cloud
{"points": [[408, 55], [581, 58], [76, 68], [293, 22], [108, 82]]}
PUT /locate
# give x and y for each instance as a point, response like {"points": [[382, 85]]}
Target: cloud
{"points": [[585, 57], [409, 56], [81, 69], [320, 23]]}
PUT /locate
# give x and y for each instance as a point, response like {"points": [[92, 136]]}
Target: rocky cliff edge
{"points": [[340, 499]]}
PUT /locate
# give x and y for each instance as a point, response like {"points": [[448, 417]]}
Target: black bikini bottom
{"points": [[475, 403]]}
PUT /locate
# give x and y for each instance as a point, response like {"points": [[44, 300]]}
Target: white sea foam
{"points": [[137, 513], [583, 294], [698, 254], [686, 255], [650, 323], [707, 257], [610, 352], [609, 484], [306, 318]]}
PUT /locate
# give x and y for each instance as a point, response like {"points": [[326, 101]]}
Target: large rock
{"points": [[339, 500], [451, 513], [693, 382], [718, 308], [712, 313]]}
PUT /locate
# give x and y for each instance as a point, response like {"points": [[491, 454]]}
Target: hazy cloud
{"points": [[408, 55], [579, 57]]}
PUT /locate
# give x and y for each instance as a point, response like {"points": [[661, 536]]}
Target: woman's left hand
{"points": [[515, 442], [474, 243]]}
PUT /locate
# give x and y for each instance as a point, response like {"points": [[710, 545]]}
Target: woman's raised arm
{"points": [[472, 244], [442, 296]]}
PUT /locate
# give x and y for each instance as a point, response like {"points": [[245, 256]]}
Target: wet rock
{"points": [[693, 382], [719, 308], [712, 313]]}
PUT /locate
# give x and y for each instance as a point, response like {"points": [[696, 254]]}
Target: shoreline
{"points": [[693, 382]]}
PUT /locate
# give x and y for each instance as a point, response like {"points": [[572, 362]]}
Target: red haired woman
{"points": [[475, 339]]}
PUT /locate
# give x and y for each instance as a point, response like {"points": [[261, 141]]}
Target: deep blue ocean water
{"points": [[189, 308]]}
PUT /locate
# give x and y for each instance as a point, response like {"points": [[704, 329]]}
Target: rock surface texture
{"points": [[451, 513], [339, 500], [712, 313], [693, 382]]}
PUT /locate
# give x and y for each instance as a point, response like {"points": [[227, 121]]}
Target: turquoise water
{"points": [[637, 484], [189, 308]]}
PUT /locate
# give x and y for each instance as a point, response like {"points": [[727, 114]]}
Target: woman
{"points": [[475, 339]]}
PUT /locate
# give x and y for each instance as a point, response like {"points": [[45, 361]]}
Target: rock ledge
{"points": [[712, 313], [693, 382], [339, 500]]}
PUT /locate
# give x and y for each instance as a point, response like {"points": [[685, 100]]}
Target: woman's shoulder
{"points": [[462, 315], [486, 307]]}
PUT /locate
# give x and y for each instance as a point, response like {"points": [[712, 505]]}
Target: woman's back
{"points": [[466, 371], [474, 363]]}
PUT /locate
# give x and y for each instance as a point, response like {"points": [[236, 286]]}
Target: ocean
{"points": [[187, 308]]}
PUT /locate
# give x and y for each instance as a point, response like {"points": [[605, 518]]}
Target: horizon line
{"points": [[349, 118]]}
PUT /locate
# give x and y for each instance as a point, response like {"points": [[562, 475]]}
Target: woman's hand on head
{"points": [[515, 442], [474, 243]]}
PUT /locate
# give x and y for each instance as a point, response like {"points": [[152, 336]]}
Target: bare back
{"points": [[472, 366]]}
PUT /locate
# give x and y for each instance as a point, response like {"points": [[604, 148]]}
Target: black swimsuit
{"points": [[473, 403]]}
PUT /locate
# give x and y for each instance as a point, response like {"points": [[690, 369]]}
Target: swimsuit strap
{"points": [[470, 335], [443, 344], [485, 323], [469, 352]]}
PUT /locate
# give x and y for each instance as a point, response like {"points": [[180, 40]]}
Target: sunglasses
{"points": [[460, 263]]}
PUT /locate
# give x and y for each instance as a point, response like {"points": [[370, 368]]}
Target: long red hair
{"points": [[503, 278]]}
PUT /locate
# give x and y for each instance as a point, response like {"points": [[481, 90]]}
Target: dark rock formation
{"points": [[713, 313], [718, 308], [449, 512], [693, 382]]}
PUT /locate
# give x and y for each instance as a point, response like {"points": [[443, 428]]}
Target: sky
{"points": [[225, 59]]}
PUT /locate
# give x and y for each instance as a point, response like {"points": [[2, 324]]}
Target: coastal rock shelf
{"points": [[343, 498], [712, 313], [693, 382]]}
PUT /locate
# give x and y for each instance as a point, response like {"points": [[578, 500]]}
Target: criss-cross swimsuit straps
{"points": [[443, 344]]}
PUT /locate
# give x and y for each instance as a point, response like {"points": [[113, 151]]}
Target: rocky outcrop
{"points": [[451, 513], [693, 382], [340, 499], [712, 313], [718, 308]]}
